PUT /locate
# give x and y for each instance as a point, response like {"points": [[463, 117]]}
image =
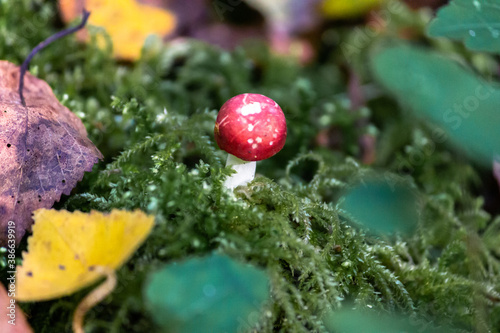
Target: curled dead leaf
{"points": [[44, 150]]}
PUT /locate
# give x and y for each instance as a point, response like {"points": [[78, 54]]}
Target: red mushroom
{"points": [[250, 127]]}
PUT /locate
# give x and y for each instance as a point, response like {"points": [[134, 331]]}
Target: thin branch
{"points": [[94, 297], [60, 34]]}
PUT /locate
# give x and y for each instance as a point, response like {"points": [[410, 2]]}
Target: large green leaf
{"points": [[466, 107], [210, 294], [382, 206], [475, 21]]}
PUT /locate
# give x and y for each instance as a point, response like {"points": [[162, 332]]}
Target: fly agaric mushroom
{"points": [[251, 128]]}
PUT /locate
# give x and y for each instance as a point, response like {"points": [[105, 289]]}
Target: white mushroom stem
{"points": [[245, 172]]}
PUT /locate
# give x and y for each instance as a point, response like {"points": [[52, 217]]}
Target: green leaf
{"points": [[382, 206], [210, 294], [464, 106], [475, 21]]}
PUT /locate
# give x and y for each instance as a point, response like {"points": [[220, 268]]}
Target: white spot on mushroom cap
{"points": [[275, 136], [271, 143], [255, 145], [251, 108], [258, 139], [250, 127], [250, 140]]}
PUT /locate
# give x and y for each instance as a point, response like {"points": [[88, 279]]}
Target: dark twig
{"points": [[60, 34]]}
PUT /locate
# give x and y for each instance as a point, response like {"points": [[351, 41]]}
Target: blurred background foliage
{"points": [[352, 91]]}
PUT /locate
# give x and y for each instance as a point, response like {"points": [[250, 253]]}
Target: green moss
{"points": [[153, 121]]}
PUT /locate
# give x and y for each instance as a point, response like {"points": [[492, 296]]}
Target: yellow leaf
{"points": [[66, 248], [339, 9], [127, 22]]}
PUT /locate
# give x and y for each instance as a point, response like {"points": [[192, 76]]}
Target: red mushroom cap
{"points": [[251, 127]]}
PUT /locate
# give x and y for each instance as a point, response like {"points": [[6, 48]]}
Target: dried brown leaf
{"points": [[44, 150]]}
